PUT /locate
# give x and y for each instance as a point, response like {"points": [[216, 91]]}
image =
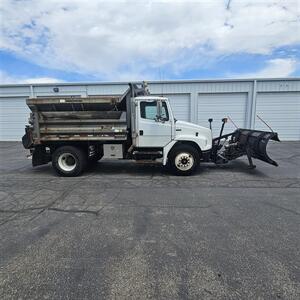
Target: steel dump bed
{"points": [[76, 118]]}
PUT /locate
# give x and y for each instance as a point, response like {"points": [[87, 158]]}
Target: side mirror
{"points": [[210, 120], [160, 119]]}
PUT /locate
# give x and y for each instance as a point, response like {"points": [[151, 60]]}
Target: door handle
{"points": [[141, 132]]}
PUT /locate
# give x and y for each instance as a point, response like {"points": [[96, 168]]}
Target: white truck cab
{"points": [[154, 125]]}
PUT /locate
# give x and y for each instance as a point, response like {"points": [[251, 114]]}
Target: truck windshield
{"points": [[149, 110]]}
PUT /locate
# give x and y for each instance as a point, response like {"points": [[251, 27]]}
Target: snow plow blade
{"points": [[254, 143]]}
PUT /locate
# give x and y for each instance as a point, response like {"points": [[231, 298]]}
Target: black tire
{"points": [[93, 160], [96, 157], [69, 161], [184, 160]]}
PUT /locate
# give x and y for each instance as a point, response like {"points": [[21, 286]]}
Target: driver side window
{"points": [[149, 110]]}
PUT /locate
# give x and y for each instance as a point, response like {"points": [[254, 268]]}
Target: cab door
{"points": [[154, 127]]}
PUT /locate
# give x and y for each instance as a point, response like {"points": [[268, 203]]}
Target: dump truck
{"points": [[74, 132]]}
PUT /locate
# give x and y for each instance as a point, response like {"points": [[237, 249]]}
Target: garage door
{"points": [[218, 106], [180, 105], [281, 111], [13, 118]]}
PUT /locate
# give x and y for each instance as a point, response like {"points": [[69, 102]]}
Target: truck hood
{"points": [[193, 132], [187, 126]]}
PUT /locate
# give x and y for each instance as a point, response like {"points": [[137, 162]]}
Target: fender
{"points": [[202, 142], [166, 151]]}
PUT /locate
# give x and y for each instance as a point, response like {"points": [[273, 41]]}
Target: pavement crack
{"points": [[165, 206], [42, 209], [281, 208], [111, 201], [10, 218], [85, 211], [293, 184], [49, 207], [10, 211]]}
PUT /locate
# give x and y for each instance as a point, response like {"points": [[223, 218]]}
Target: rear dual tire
{"points": [[96, 157], [69, 161], [184, 160]]}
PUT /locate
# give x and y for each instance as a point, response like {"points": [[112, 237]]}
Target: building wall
{"points": [[277, 101]]}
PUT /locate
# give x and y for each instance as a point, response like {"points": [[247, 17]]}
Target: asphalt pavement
{"points": [[131, 231]]}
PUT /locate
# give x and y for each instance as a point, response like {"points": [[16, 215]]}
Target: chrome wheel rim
{"points": [[67, 162], [184, 161]]}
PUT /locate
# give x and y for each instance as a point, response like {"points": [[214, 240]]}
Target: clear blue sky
{"points": [[48, 41]]}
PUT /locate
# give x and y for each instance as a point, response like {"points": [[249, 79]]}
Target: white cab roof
{"points": [[139, 98]]}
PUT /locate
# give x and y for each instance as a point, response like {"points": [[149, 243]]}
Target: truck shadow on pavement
{"points": [[130, 168], [147, 169], [139, 169]]}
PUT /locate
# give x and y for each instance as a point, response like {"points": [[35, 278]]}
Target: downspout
{"points": [[32, 91], [253, 105]]}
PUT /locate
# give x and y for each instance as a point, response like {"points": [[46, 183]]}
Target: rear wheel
{"points": [[69, 161], [96, 157], [184, 160]]}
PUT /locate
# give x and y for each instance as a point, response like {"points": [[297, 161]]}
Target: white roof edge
{"points": [[150, 81], [149, 97]]}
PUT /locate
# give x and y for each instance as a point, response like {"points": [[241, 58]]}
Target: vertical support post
{"points": [[36, 126], [253, 105], [31, 91], [193, 107]]}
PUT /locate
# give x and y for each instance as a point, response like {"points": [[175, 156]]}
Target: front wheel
{"points": [[69, 161], [184, 160]]}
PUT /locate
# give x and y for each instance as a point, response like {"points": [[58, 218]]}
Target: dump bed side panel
{"points": [[76, 119]]}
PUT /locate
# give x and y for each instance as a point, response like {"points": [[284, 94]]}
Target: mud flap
{"points": [[27, 139], [254, 143], [40, 156]]}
